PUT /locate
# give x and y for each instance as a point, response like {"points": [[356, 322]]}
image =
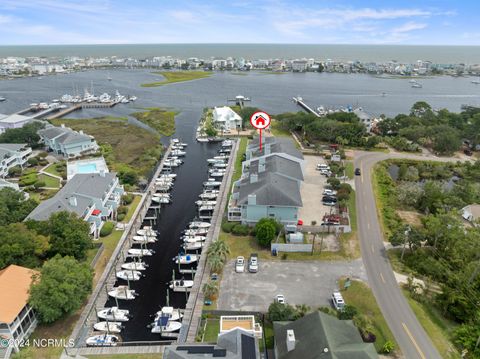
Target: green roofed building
{"points": [[320, 336]]}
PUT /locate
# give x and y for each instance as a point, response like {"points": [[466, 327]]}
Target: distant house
{"points": [[319, 335], [234, 344], [226, 119], [13, 121], [17, 318], [471, 213], [67, 142], [11, 155], [270, 183], [93, 197]]}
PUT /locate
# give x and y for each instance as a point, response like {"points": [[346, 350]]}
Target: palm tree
{"points": [[302, 310], [215, 262], [220, 248], [210, 289], [363, 323]]}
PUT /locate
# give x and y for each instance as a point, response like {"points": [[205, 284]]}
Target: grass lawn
{"points": [[361, 297], [268, 334], [437, 327], [131, 208], [109, 244], [244, 246], [278, 131], [53, 170], [126, 356], [42, 195], [349, 169], [124, 145], [49, 181], [177, 76], [211, 330], [161, 120]]}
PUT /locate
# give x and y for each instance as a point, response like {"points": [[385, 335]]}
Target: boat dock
{"points": [[84, 326], [299, 101]]}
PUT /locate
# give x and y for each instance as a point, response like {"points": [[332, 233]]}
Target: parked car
{"points": [[357, 171], [240, 264], [337, 301], [329, 199], [253, 263], [329, 192], [280, 298], [322, 166]]}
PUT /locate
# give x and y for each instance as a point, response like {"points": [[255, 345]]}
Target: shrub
{"points": [[348, 312], [241, 230], [284, 256], [121, 217], [107, 229], [328, 310], [127, 198], [14, 171], [122, 210], [228, 226], [265, 230], [28, 180], [388, 347], [39, 184], [32, 161], [334, 183], [42, 154]]}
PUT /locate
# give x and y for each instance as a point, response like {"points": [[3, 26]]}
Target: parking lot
{"points": [[311, 190], [309, 282]]}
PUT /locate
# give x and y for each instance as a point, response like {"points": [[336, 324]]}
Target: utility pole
{"points": [[407, 231]]}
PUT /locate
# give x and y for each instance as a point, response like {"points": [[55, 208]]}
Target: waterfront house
{"points": [[471, 213], [67, 142], [319, 335], [244, 322], [13, 121], [95, 197], [225, 119], [273, 146], [17, 318], [11, 155], [234, 344]]}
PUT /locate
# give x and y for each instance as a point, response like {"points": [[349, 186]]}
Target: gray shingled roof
{"points": [[83, 187], [51, 132], [280, 165], [8, 148], [271, 189], [73, 137], [278, 145], [317, 331]]}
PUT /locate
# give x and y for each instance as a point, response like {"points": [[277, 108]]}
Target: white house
{"points": [[13, 121], [17, 318], [11, 155], [226, 119]]}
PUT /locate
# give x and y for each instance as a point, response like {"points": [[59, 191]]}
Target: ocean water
{"points": [[377, 53]]}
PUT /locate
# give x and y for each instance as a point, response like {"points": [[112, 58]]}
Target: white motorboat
{"points": [[202, 139], [110, 327], [122, 292], [215, 191], [169, 312], [178, 153], [102, 340], [132, 98], [136, 252], [175, 140], [132, 275], [114, 314], [215, 160], [2, 99], [194, 239], [186, 259], [195, 246], [168, 175], [207, 207], [161, 200], [217, 173], [417, 85], [196, 232], [139, 266], [212, 184], [173, 163], [147, 232], [164, 181], [198, 224], [162, 194], [208, 195], [227, 143], [144, 239], [181, 285], [221, 157], [163, 325], [206, 203], [220, 165]]}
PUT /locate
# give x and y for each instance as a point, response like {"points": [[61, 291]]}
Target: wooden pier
{"points": [[299, 101]]}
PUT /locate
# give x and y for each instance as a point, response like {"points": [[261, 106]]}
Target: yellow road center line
{"points": [[413, 340], [368, 225], [373, 250], [383, 279]]}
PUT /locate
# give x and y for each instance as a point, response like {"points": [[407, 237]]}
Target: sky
{"points": [[429, 22]]}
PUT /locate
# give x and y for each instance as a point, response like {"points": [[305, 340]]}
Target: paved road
{"points": [[408, 332]]}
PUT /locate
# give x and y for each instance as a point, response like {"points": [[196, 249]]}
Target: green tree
{"points": [[466, 337], [61, 288], [210, 289], [13, 206], [21, 246], [265, 231], [69, 234], [348, 312], [219, 248], [26, 134], [278, 312], [215, 262], [446, 141]]}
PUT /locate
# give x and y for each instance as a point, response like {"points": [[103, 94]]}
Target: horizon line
{"points": [[239, 43]]}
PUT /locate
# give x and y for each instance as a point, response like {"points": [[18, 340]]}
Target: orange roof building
{"points": [[17, 319]]}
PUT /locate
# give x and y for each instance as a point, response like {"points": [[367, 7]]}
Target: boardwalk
{"points": [[299, 101]]}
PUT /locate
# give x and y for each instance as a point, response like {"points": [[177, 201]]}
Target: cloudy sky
{"points": [[435, 22]]}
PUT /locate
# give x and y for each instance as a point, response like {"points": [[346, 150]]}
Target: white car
{"points": [[337, 301], [280, 299], [322, 166], [329, 192], [240, 264]]}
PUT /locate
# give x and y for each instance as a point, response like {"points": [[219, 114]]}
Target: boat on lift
{"points": [[114, 314], [186, 259], [136, 252], [206, 203], [227, 143], [123, 292], [144, 239], [164, 325], [195, 232], [110, 327], [178, 153], [169, 312], [130, 275], [212, 184], [161, 200], [195, 246], [207, 196], [102, 340], [147, 232], [181, 285], [193, 239], [168, 175]]}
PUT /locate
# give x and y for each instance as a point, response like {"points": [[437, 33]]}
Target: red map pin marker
{"points": [[260, 120]]}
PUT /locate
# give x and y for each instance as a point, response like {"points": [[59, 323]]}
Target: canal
{"points": [[173, 219]]}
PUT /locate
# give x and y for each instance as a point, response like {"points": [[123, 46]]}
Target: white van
{"points": [[337, 301]]}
